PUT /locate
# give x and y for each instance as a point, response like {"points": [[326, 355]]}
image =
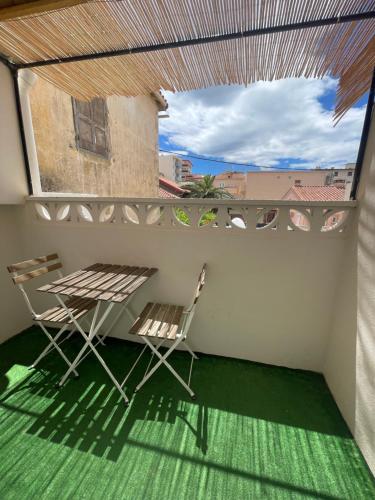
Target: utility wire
{"points": [[249, 165]]}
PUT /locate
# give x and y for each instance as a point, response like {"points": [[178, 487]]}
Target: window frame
{"points": [[77, 116]]}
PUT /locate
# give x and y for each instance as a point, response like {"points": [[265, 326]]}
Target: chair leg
{"points": [[163, 360], [49, 348], [52, 340], [136, 362], [134, 365], [190, 350]]}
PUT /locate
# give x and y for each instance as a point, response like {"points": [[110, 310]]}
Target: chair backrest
{"points": [[189, 313], [198, 290], [28, 269], [201, 283]]}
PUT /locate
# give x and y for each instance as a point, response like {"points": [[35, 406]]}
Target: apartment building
{"points": [[170, 167], [273, 185], [186, 171], [233, 182]]}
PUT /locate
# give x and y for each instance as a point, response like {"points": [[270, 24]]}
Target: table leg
{"points": [[91, 334], [88, 344], [124, 308]]}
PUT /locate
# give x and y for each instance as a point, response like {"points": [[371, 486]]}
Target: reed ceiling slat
{"points": [[343, 50]]}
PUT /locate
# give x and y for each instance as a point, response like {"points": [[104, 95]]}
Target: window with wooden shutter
{"points": [[91, 127]]}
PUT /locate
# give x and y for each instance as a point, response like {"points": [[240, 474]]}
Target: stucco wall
{"points": [[365, 345], [350, 362], [234, 183], [168, 166], [13, 184], [261, 301], [274, 185], [13, 188], [132, 169], [13, 313]]}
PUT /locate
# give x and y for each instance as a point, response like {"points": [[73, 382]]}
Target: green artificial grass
{"points": [[254, 432]]}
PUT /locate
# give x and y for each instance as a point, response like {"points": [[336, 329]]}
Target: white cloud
{"points": [[265, 124]]}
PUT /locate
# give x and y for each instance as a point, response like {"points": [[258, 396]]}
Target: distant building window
{"points": [[222, 184], [91, 127], [297, 182], [335, 174], [350, 173]]}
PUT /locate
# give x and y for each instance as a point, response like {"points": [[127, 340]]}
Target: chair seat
{"points": [[158, 320], [78, 307]]}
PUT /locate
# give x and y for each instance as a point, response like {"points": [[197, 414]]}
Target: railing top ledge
{"points": [[188, 201]]}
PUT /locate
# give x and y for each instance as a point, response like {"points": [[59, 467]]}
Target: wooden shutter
{"points": [[90, 118], [99, 125]]}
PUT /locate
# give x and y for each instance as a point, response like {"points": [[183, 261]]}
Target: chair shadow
{"points": [[89, 414], [100, 423]]}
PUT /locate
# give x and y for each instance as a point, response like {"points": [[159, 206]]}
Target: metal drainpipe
{"points": [[364, 139]]}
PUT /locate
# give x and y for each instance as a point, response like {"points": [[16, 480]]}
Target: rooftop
{"points": [[163, 193], [318, 193], [170, 186]]}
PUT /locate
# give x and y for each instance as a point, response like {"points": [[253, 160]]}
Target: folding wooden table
{"points": [[106, 284]]}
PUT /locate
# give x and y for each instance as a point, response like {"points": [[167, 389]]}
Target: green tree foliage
{"points": [[205, 189]]}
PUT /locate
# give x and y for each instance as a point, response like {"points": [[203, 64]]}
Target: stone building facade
{"points": [[108, 147]]}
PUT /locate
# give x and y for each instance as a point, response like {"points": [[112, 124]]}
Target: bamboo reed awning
{"points": [[134, 47]]}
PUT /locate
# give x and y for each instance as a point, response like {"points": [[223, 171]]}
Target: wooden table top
{"points": [[106, 282]]}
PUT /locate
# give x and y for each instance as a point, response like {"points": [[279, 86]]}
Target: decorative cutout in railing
{"points": [[203, 215]]}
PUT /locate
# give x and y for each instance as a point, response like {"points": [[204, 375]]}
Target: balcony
{"points": [[267, 328], [285, 327]]}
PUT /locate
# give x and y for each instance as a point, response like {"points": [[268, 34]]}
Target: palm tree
{"points": [[205, 189]]}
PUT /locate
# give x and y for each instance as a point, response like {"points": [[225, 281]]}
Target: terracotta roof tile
{"points": [[315, 193], [166, 183], [166, 194]]}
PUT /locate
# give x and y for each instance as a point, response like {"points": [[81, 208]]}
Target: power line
{"points": [[248, 165]]}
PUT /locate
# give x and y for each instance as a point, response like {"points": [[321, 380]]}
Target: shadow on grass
{"points": [[89, 415], [254, 390]]}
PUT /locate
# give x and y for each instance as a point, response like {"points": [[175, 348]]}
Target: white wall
{"points": [[167, 166], [365, 374], [13, 184], [350, 362], [13, 314], [13, 189], [340, 363], [269, 296]]}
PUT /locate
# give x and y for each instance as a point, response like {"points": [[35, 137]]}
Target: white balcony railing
{"points": [[196, 214], [275, 268]]}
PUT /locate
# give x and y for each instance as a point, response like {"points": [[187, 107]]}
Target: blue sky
{"points": [[282, 124]]}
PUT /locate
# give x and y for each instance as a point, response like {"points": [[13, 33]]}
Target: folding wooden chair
{"points": [[162, 323], [56, 317]]}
